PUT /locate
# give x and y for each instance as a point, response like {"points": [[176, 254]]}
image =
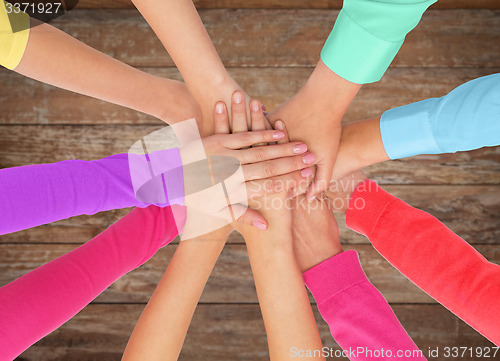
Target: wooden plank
{"points": [[231, 281], [470, 211], [25, 101], [291, 38], [442, 169], [229, 332], [283, 4], [23, 145]]}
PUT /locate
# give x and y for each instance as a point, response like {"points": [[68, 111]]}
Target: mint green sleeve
{"points": [[368, 34]]}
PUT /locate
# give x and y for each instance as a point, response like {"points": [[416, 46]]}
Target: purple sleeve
{"points": [[360, 319], [42, 300], [38, 194]]}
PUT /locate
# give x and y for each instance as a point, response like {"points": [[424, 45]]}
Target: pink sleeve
{"points": [[42, 300], [433, 257], [360, 319]]}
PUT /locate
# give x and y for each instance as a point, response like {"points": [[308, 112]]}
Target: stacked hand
{"points": [[315, 232], [266, 169], [314, 116]]}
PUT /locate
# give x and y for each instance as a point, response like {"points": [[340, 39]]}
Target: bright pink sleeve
{"points": [[433, 257], [360, 319], [42, 300]]}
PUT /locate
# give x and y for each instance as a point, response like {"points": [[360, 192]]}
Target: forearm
{"points": [[314, 116], [283, 299], [430, 255], [356, 312], [38, 194], [163, 325], [183, 34], [53, 57], [464, 119], [42, 300], [360, 146], [286, 311], [326, 87]]}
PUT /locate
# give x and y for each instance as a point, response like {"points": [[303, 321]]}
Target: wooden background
{"points": [[278, 43]]}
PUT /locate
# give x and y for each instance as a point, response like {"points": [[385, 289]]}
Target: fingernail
{"points": [[260, 225], [237, 98], [308, 158], [279, 125], [219, 108], [299, 148], [278, 135], [306, 172], [255, 106]]}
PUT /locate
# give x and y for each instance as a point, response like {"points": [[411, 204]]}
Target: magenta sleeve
{"points": [[38, 194], [42, 300], [433, 257], [360, 319]]}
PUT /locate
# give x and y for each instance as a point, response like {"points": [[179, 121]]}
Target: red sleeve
{"points": [[433, 257]]}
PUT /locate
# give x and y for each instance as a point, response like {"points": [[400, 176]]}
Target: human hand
{"points": [[226, 91], [266, 169], [275, 206], [315, 232], [340, 191], [314, 115]]}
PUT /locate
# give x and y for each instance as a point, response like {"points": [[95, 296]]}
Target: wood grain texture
{"points": [[23, 145], [289, 38], [230, 282], [25, 101], [270, 58], [470, 211], [284, 4], [228, 332]]}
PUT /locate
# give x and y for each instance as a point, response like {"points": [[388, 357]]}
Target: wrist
{"points": [[355, 179], [329, 90], [340, 191], [360, 146], [213, 86], [316, 247], [216, 85], [319, 258], [172, 102], [222, 79]]}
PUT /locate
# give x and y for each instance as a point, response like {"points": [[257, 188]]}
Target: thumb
{"points": [[250, 217], [321, 181], [280, 125]]}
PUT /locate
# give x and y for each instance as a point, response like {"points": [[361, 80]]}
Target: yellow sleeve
{"points": [[14, 33]]}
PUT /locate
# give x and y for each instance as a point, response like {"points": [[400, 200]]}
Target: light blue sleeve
{"points": [[467, 118]]}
